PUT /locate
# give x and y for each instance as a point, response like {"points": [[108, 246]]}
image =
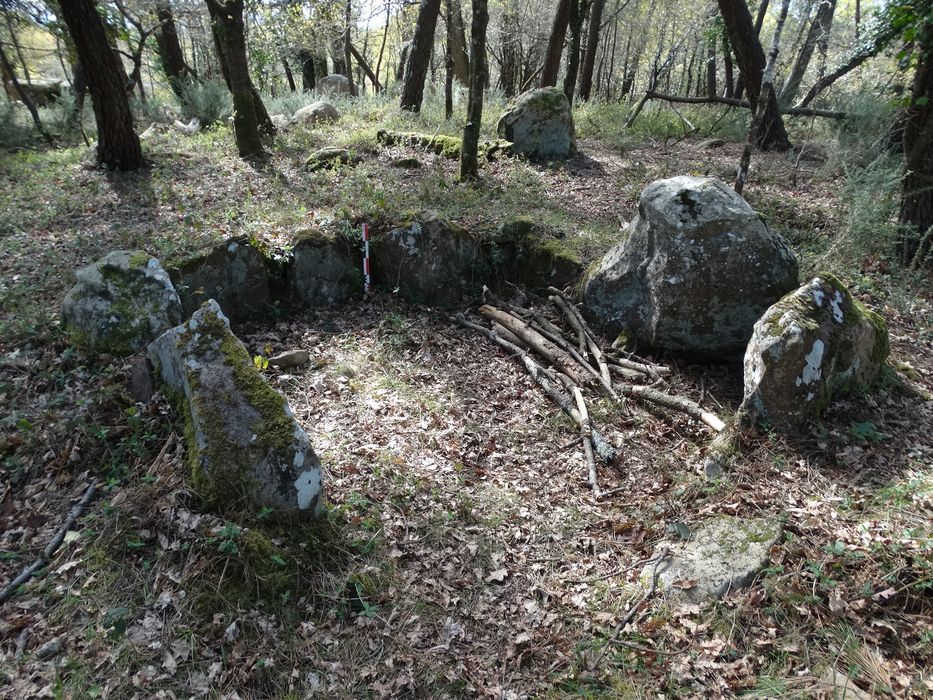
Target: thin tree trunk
{"points": [[117, 144], [448, 83], [577, 16], [763, 99], [510, 50], [592, 42], [469, 167], [308, 74], [346, 48], [818, 35], [176, 69], [759, 23], [382, 46], [24, 97], [419, 55], [364, 66], [711, 66], [456, 40], [555, 45], [772, 134], [227, 25], [727, 67], [17, 48], [288, 75]]}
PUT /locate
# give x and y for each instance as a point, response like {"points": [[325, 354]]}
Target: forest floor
{"points": [[462, 553]]}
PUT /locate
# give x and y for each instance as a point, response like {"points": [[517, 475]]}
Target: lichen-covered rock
{"points": [[526, 253], [325, 269], [331, 157], [243, 443], [696, 271], [539, 124], [320, 112], [815, 345], [121, 303], [234, 273], [333, 84], [723, 555], [429, 261]]}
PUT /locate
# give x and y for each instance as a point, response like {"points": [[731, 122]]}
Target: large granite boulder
{"points": [[243, 443], [539, 124], [234, 273], [723, 555], [815, 345], [320, 112], [325, 269], [697, 269], [121, 303], [429, 261], [333, 84]]}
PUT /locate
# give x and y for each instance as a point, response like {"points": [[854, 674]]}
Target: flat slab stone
{"points": [[725, 554]]}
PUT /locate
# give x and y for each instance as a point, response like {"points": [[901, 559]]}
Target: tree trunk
{"points": [[364, 66], [592, 42], [382, 46], [577, 16], [456, 40], [727, 67], [288, 75], [448, 83], [751, 59], [711, 66], [169, 49], [759, 22], [346, 49], [117, 144], [469, 168], [510, 51], [555, 44], [419, 55], [24, 96], [917, 195], [818, 35], [308, 74], [227, 25]]}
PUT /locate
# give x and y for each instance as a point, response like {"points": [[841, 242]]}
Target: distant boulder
{"points": [[696, 270], [539, 124], [243, 443], [329, 158], [121, 303], [333, 84], [320, 112], [815, 345]]}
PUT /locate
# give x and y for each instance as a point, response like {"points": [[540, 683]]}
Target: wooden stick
{"points": [[536, 342], [677, 403], [52, 546], [577, 322], [586, 434]]}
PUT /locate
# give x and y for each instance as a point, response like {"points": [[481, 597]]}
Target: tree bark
{"points": [[917, 195], [117, 144], [510, 51], [290, 79], [308, 74], [382, 46], [751, 59], [817, 35], [227, 25], [419, 55], [727, 67], [456, 40], [346, 49], [592, 43], [361, 62], [176, 69], [469, 168], [24, 96], [577, 16], [555, 44], [759, 22]]}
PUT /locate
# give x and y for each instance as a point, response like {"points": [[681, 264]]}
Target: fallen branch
{"points": [[800, 111], [586, 434], [576, 320], [677, 403], [52, 546]]}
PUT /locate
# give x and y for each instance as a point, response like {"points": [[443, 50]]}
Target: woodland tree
{"points": [[419, 55], [555, 45], [592, 42], [469, 166]]}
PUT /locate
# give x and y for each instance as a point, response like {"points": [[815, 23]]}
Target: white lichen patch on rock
{"points": [[243, 441], [121, 303], [813, 346], [724, 554]]}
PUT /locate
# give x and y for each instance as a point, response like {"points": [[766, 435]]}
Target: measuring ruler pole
{"points": [[367, 280]]}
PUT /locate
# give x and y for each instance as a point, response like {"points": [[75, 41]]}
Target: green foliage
{"points": [[209, 101]]}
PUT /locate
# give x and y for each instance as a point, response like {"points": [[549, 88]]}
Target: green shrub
{"points": [[209, 101]]}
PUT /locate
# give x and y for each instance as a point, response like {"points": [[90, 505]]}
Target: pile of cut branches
{"points": [[569, 363]]}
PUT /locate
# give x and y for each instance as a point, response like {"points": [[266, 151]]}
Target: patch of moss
{"points": [[139, 258]]}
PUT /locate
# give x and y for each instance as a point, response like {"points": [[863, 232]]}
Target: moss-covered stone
{"points": [[120, 303], [539, 124], [439, 144], [813, 346], [526, 253], [243, 443]]}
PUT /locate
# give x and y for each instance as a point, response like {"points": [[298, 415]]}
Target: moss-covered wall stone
{"points": [[539, 124]]}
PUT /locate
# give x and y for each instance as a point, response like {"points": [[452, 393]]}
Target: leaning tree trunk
{"points": [[818, 34], [555, 44], [227, 24], [917, 195], [24, 96], [169, 48], [456, 41], [117, 144], [751, 59], [759, 22], [592, 42], [469, 168], [419, 55]]}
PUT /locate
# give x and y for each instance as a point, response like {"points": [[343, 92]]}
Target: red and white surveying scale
{"points": [[367, 280]]}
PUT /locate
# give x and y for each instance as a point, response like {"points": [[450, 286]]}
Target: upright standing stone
{"points": [[539, 124]]}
